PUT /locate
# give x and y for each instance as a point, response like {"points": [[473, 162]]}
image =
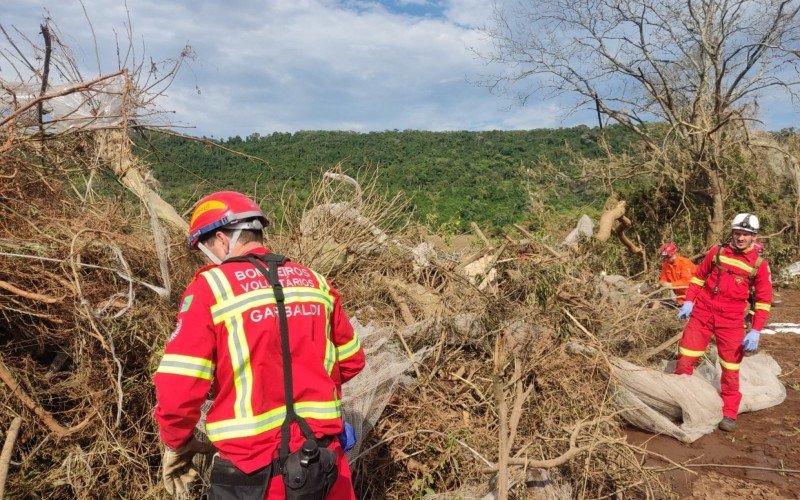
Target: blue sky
{"points": [[417, 8], [287, 65]]}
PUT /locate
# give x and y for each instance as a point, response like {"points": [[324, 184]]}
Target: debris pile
{"points": [[481, 380], [82, 305]]}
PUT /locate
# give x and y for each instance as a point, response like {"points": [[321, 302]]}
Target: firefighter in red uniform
{"points": [[717, 303], [228, 342]]}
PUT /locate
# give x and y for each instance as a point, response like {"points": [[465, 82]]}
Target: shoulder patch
{"points": [[187, 303]]}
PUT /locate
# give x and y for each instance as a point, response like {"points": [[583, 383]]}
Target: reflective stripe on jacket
{"points": [[731, 281], [227, 341]]}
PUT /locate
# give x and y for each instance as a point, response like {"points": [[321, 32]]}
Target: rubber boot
{"points": [[727, 424]]}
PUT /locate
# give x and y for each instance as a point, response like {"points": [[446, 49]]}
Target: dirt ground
{"points": [[769, 438]]}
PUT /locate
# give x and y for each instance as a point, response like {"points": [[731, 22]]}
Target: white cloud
{"points": [[473, 13], [279, 65], [275, 65]]}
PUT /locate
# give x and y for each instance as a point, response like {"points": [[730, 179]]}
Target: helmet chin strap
{"points": [[213, 258], [231, 244]]}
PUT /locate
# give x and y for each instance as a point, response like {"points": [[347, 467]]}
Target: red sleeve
{"points": [[701, 275], [349, 354], [183, 377], [763, 291]]}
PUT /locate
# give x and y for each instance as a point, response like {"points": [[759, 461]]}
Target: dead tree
{"points": [[683, 75]]}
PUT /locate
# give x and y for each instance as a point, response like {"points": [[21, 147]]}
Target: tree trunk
{"points": [[113, 146], [716, 209], [794, 168]]}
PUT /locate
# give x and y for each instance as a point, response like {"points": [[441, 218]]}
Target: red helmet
{"points": [[668, 249], [224, 209]]}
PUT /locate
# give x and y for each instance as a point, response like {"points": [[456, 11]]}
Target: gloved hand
{"points": [[750, 341], [347, 438], [686, 310], [177, 469]]}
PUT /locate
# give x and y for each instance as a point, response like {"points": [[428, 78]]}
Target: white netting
{"points": [[98, 106], [655, 400], [161, 239], [790, 273], [758, 382], [583, 229], [687, 408], [367, 394]]}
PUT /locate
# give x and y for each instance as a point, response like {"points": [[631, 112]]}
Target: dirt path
{"points": [[768, 438]]}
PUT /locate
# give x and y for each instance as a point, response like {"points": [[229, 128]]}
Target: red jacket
{"points": [[678, 274], [731, 280], [227, 341]]}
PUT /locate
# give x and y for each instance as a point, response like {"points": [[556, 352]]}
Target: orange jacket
{"points": [[726, 287], [227, 341], [678, 274]]}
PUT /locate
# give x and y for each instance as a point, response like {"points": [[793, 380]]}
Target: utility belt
{"points": [[308, 474]]}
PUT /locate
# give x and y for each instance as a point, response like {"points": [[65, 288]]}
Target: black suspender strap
{"points": [[271, 275]]}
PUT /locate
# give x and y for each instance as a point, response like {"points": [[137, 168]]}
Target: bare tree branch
{"points": [[683, 75]]}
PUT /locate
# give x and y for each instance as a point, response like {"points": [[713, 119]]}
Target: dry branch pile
{"points": [[501, 378], [79, 319], [82, 327], [499, 375]]}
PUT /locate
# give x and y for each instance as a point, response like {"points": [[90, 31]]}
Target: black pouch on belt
{"points": [[309, 473], [229, 483]]}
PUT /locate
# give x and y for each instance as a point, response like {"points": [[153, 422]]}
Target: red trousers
{"points": [[725, 321]]}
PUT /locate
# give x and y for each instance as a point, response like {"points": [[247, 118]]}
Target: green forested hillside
{"points": [[450, 177]]}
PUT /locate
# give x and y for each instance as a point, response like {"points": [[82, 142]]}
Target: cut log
{"points": [[607, 221], [625, 223], [477, 231]]}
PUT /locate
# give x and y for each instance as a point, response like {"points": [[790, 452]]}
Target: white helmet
{"points": [[745, 222]]}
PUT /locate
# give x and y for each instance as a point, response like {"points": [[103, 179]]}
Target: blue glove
{"points": [[750, 341], [686, 310], [347, 438]]}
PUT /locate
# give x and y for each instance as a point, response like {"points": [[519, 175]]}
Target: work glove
{"points": [[750, 341], [177, 469], [347, 438], [686, 310]]}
